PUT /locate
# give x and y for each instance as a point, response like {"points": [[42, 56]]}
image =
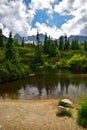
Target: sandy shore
{"points": [[35, 115]]}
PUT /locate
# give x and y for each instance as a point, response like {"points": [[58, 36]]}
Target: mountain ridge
{"points": [[32, 38]]}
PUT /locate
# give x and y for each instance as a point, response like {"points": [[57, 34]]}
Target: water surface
{"points": [[45, 85]]}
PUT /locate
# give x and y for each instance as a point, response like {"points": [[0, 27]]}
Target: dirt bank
{"points": [[34, 115]]}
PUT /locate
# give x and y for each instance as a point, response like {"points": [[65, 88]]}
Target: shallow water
{"points": [[46, 85]]}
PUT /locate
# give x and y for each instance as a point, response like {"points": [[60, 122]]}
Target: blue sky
{"points": [[56, 17]]}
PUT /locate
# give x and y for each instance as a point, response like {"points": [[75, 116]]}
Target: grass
{"points": [[65, 113]]}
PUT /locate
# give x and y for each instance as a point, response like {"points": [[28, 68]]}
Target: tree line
{"points": [[17, 60]]}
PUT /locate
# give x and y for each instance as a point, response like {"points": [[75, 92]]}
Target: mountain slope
{"points": [[31, 39], [18, 37], [80, 39]]}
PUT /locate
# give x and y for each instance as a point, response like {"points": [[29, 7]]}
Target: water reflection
{"points": [[45, 85]]}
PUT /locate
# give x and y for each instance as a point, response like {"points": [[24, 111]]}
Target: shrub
{"points": [[66, 113], [82, 115], [82, 112], [61, 104], [78, 62]]}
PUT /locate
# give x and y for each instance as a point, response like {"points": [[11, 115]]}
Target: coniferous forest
{"points": [[18, 60]]}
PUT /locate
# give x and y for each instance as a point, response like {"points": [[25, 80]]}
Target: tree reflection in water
{"points": [[45, 85]]}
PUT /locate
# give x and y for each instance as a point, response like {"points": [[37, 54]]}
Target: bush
{"points": [[78, 62], [4, 74], [61, 104], [66, 113], [82, 112], [82, 115]]}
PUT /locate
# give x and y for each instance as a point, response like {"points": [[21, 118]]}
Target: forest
{"points": [[18, 60]]}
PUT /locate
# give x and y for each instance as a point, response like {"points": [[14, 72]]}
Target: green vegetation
{"points": [[17, 60], [82, 113], [11, 66], [60, 103], [66, 113]]}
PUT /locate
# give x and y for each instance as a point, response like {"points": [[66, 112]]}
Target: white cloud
{"points": [[52, 31], [17, 17], [64, 7], [46, 5], [1, 26], [41, 4], [14, 16], [77, 9], [6, 32]]}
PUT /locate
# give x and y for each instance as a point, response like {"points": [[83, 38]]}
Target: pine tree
{"points": [[38, 38], [1, 39], [61, 43], [10, 52], [67, 45], [45, 44], [85, 45], [53, 50], [23, 42], [16, 43], [75, 45]]}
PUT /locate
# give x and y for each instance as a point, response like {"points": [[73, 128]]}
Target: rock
{"points": [[62, 109], [67, 103]]}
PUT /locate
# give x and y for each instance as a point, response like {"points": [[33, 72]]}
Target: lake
{"points": [[46, 85]]}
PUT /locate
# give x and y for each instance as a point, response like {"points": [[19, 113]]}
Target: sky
{"points": [[55, 17]]}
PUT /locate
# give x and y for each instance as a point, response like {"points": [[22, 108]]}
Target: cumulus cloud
{"points": [[53, 31], [64, 7], [17, 17], [41, 4], [13, 14], [78, 10]]}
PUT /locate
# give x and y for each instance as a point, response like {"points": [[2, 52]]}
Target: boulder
{"points": [[67, 103], [62, 109]]}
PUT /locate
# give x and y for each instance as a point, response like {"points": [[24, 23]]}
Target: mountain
{"points": [[80, 39], [5, 38], [29, 39], [33, 38], [18, 37]]}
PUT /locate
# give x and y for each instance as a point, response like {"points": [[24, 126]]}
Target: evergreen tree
{"points": [[45, 44], [38, 38], [10, 52], [85, 45], [53, 50], [1, 39], [48, 44], [61, 43], [67, 45], [23, 42], [16, 43], [56, 42], [38, 56], [75, 45]]}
